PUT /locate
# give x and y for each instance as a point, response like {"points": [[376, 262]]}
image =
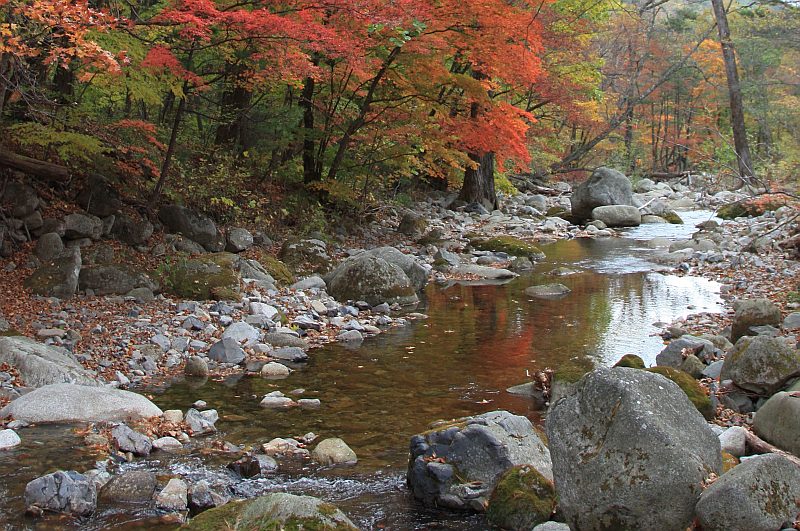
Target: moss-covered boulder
{"points": [[672, 217], [508, 244], [279, 271], [754, 206], [59, 277], [211, 276], [306, 256], [274, 512], [523, 498], [372, 279], [630, 360], [697, 395], [567, 375], [762, 364]]}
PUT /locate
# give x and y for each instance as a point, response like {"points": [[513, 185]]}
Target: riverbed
{"points": [[479, 340]]}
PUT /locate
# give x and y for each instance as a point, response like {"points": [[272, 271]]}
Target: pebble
{"points": [[9, 439]]}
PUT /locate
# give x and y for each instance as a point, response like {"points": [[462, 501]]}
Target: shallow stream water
{"points": [[479, 340]]}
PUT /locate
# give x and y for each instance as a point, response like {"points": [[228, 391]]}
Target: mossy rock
{"points": [[691, 387], [567, 375], [630, 360], [279, 271], [10, 333], [751, 207], [206, 277], [508, 244], [672, 217], [731, 211], [556, 212], [273, 512], [522, 499], [728, 461]]}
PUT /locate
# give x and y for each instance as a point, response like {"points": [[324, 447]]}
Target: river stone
{"points": [[372, 279], [291, 354], [274, 511], [195, 226], [457, 464], [734, 441], [132, 231], [792, 322], [200, 423], [762, 364], [484, 272], [242, 332], [252, 269], [753, 312], [618, 215], [547, 291], [78, 226], [238, 240], [133, 486], [58, 277], [552, 526], [412, 224], [129, 440], [196, 367], [778, 421], [9, 439], [309, 283], [203, 497], [605, 187], [417, 274], [174, 496], [39, 364], [334, 451], [251, 466], [112, 279], [49, 246], [167, 444], [275, 370], [66, 403], [226, 351], [760, 494], [629, 451], [277, 340], [673, 354], [205, 277], [522, 499], [61, 492]]}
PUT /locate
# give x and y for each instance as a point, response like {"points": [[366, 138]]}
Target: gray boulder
{"points": [[67, 403], [195, 226], [61, 492], [99, 198], [113, 279], [547, 291], [252, 269], [226, 351], [412, 224], [49, 247], [40, 364], [372, 279], [290, 354], [307, 255], [483, 272], [618, 215], [275, 511], [762, 364], [605, 187], [58, 277], [760, 494], [417, 274], [629, 451], [778, 421], [200, 423], [238, 240], [334, 451], [77, 226], [21, 198], [174, 496], [132, 231], [457, 464], [242, 332], [753, 312], [202, 496], [133, 486], [673, 355], [792, 322], [132, 441]]}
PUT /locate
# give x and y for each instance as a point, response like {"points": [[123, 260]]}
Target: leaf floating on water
{"points": [[484, 401]]}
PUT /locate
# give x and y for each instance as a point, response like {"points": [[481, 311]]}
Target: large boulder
{"points": [[753, 312], [457, 464], [760, 494], [99, 198], [273, 511], [417, 274], [58, 277], [21, 199], [40, 364], [762, 364], [629, 451], [49, 247], [67, 403], [306, 255], [605, 187], [618, 215], [113, 279], [372, 279], [77, 226], [674, 354], [195, 226], [131, 230], [778, 421], [61, 492], [206, 277], [334, 451], [238, 240]]}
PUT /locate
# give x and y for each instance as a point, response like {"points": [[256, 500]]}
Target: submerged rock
{"points": [[61, 492], [133, 486], [630, 451], [547, 291], [456, 465], [274, 511]]}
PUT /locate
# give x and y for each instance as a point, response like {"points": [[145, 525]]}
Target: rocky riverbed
{"points": [[125, 329]]}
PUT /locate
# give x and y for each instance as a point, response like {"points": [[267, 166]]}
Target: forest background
{"points": [[294, 112]]}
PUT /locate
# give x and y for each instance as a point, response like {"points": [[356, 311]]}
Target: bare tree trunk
{"points": [[734, 92], [310, 173]]}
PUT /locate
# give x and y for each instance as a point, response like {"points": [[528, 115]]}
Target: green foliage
{"points": [[69, 147]]}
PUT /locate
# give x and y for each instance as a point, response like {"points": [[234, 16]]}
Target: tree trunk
{"points": [[171, 146], [310, 166], [37, 168], [234, 105], [734, 93], [479, 182]]}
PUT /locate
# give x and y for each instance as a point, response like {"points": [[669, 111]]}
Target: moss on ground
{"points": [[630, 360], [507, 244], [697, 395], [522, 499]]}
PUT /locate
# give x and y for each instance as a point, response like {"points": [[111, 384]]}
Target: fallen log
{"points": [[760, 446], [35, 167]]}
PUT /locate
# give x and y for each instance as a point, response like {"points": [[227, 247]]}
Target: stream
{"points": [[479, 340]]}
